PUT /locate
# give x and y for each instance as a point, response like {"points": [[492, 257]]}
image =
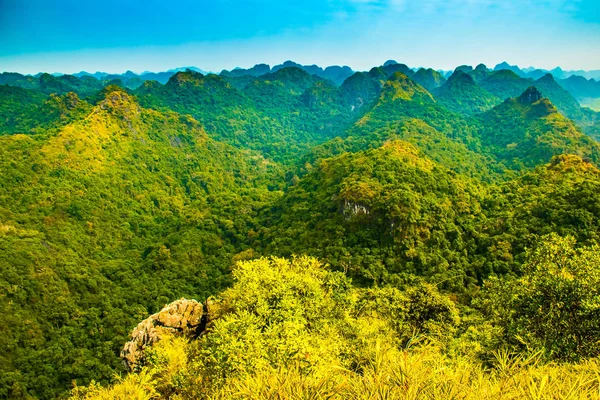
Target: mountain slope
{"points": [[227, 113], [30, 111], [268, 114], [406, 111], [360, 91], [105, 221], [311, 109], [376, 212], [561, 98], [505, 84], [559, 197], [462, 95], [429, 78], [529, 130]]}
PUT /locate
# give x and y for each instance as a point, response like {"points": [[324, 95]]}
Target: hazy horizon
{"points": [[141, 72], [71, 36]]}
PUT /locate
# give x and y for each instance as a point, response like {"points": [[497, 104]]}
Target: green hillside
{"points": [[529, 130], [29, 111], [376, 213], [408, 112], [462, 95], [505, 84], [360, 91], [429, 78], [422, 225], [559, 197], [107, 220], [305, 331], [275, 114]]}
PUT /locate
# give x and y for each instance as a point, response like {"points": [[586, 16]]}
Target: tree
{"points": [[555, 305]]}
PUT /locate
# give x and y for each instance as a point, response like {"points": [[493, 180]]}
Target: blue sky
{"points": [[117, 35]]}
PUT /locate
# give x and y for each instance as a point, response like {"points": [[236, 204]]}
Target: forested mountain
{"points": [[111, 217], [505, 83], [29, 111], [418, 218], [406, 111], [278, 114], [379, 212], [529, 130], [462, 95], [429, 78]]}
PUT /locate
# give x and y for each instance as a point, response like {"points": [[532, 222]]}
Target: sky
{"points": [[155, 35]]}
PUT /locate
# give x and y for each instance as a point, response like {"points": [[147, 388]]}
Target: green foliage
{"points": [[360, 90], [296, 315], [562, 99], [429, 78], [555, 304], [104, 222], [380, 212], [279, 114], [505, 84], [28, 111], [115, 202], [462, 95], [277, 313], [292, 329], [418, 310], [407, 112], [49, 84], [527, 133]]}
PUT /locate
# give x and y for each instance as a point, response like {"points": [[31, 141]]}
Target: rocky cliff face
{"points": [[530, 96], [183, 317]]}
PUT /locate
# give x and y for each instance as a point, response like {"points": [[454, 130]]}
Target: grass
{"points": [[425, 374], [409, 374]]}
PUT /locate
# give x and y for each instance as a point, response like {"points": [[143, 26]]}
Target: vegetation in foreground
{"points": [[295, 330]]}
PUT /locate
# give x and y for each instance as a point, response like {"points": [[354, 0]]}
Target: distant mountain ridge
{"points": [[327, 72], [536, 73], [334, 73], [488, 88]]}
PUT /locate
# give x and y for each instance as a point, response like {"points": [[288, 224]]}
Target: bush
{"points": [[555, 305]]}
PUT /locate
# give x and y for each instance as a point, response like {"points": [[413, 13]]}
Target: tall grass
{"points": [[416, 374], [140, 386], [388, 373]]}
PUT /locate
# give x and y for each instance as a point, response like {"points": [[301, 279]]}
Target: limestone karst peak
{"points": [[530, 96]]}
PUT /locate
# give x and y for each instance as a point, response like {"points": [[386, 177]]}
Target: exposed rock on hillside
{"points": [[530, 96], [182, 317]]}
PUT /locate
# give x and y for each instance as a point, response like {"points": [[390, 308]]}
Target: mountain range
{"points": [[557, 72], [441, 204], [583, 85]]}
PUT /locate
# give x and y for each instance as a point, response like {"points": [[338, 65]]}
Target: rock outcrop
{"points": [[530, 96], [183, 317]]}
